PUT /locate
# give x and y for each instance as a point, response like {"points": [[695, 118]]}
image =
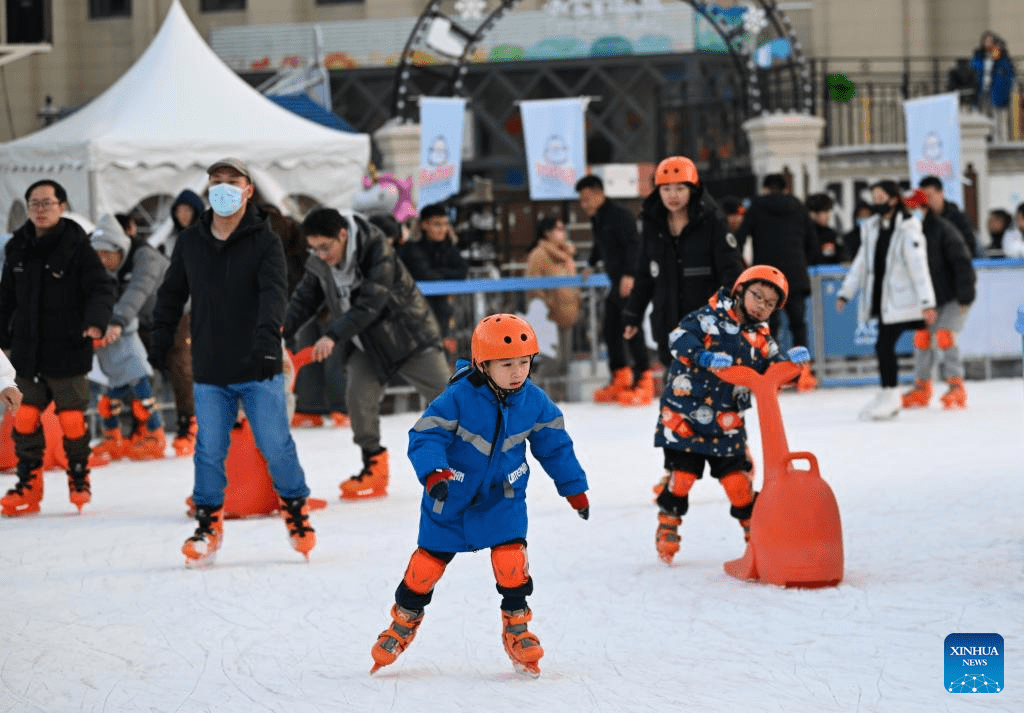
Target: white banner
{"points": [[555, 146], [933, 142], [441, 120]]}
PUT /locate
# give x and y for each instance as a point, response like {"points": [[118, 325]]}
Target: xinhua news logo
{"points": [[974, 663]]}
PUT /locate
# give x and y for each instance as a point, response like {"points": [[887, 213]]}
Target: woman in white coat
{"points": [[891, 274]]}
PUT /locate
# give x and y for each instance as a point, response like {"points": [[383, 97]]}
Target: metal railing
{"points": [[875, 114]]}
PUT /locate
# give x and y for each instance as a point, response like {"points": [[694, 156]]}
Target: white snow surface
{"points": [[98, 612]]}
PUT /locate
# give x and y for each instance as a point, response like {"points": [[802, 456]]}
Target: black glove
{"points": [[267, 366], [437, 484]]}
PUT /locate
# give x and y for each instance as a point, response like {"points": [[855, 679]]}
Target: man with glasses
{"points": [[378, 317], [55, 299], [232, 266]]}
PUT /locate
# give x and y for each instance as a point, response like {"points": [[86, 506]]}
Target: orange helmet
{"points": [[503, 336], [764, 273], [676, 169]]}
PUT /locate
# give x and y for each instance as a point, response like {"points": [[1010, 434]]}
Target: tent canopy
{"points": [[174, 112]]}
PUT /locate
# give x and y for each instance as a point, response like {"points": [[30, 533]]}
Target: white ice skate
{"points": [[886, 405]]}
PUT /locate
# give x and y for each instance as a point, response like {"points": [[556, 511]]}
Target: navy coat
{"points": [[482, 440]]}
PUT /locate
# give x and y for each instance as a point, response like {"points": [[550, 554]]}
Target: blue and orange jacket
{"points": [[482, 440], [700, 413]]}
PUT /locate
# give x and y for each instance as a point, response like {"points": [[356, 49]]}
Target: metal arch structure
{"points": [[446, 78]]}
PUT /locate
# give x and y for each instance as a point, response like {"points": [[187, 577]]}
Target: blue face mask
{"points": [[919, 214], [225, 199]]}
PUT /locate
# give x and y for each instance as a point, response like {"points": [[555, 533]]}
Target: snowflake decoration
{"points": [[470, 9], [754, 20]]}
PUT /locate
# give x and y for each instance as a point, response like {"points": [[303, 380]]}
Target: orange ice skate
{"points": [[522, 647], [396, 638]]}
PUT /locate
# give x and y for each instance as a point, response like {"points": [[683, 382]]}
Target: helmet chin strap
{"points": [[501, 393]]}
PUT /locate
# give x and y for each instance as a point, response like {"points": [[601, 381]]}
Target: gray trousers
{"points": [[426, 371], [952, 318]]}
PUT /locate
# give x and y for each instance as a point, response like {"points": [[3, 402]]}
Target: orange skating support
{"points": [[8, 458], [796, 537]]}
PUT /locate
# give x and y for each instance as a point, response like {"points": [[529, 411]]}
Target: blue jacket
{"points": [[700, 413], [483, 441], [1002, 78]]}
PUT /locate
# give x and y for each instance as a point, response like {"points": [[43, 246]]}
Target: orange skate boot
{"points": [[956, 397], [666, 539], [396, 638], [372, 481], [919, 396], [24, 497], [339, 419], [200, 550], [622, 379], [79, 488], [522, 647], [307, 420], [806, 381], [146, 444], [184, 442], [110, 449], [295, 513], [642, 392]]}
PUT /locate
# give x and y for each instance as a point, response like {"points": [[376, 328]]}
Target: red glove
{"points": [[437, 483], [581, 504]]}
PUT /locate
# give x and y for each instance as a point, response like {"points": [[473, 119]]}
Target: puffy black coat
{"points": [[784, 237], [52, 289], [679, 275], [949, 262], [239, 294], [616, 242], [435, 260], [952, 213], [388, 312]]}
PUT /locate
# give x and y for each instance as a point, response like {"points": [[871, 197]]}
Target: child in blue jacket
{"points": [[469, 451], [701, 421]]}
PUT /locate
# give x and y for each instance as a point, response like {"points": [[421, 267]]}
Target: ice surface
{"points": [[98, 613]]}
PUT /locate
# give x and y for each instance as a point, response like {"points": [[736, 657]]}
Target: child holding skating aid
{"points": [[469, 451], [700, 420]]}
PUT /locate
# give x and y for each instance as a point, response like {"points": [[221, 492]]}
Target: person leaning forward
{"points": [[378, 316]]}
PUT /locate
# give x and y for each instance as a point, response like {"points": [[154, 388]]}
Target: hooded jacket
{"points": [[138, 276], [906, 286], [949, 262], [191, 199], [555, 258], [701, 413], [783, 236], [53, 288], [238, 288], [482, 440], [388, 313], [677, 274]]}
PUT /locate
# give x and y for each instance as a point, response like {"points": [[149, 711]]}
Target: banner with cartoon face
{"points": [[933, 142], [555, 149], [441, 121]]}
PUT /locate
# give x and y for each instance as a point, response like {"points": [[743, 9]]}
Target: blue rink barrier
{"points": [[843, 349]]}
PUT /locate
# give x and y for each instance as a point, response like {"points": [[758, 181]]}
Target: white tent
{"points": [[174, 112]]}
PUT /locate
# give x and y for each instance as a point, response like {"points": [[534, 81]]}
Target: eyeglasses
{"points": [[321, 250], [42, 205], [767, 301]]}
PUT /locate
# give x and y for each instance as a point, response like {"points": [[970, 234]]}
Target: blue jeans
{"points": [[216, 411]]}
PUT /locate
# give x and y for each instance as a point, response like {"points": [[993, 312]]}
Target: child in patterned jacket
{"points": [[700, 421], [469, 451]]}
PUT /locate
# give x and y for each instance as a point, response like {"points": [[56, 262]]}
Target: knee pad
{"points": [[72, 423], [945, 339], [27, 419], [923, 339], [511, 568], [108, 407], [423, 572], [142, 409], [739, 488], [680, 482]]}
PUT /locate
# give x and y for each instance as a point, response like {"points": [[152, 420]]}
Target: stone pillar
{"points": [[975, 128], [786, 140], [399, 145]]}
